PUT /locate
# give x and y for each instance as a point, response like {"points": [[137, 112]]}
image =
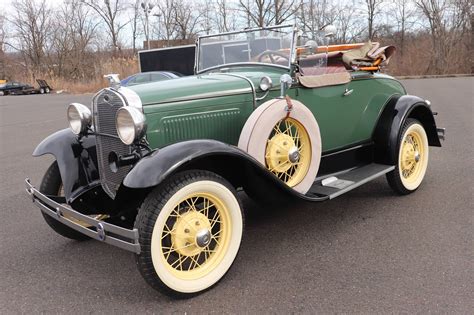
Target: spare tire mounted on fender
{"points": [[288, 145]]}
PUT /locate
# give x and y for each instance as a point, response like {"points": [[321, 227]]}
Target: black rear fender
{"points": [[390, 122]]}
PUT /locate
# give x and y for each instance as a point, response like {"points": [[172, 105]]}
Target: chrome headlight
{"points": [[265, 83], [79, 117], [130, 123]]}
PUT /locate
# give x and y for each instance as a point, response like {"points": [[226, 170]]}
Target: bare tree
{"points": [[207, 12], [110, 11], [32, 22], [402, 12], [70, 54], [135, 17], [449, 21], [2, 49], [167, 26], [224, 20], [268, 12], [283, 10], [373, 9], [315, 14], [349, 25], [258, 12], [187, 18]]}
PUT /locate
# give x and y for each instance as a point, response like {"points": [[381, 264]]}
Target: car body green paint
{"points": [[216, 105]]}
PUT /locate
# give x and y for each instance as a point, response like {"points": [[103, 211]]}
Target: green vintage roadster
{"points": [[155, 168]]}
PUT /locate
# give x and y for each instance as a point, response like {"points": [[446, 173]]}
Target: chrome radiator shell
{"points": [[105, 105]]}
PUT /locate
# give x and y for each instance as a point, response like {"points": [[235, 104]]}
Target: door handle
{"points": [[348, 92]]}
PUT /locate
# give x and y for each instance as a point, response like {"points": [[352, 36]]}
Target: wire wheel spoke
{"points": [[180, 236]]}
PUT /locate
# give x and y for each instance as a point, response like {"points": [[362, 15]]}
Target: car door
{"points": [[338, 107]]}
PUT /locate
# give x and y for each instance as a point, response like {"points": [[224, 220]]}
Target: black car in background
{"points": [[15, 88], [18, 88]]}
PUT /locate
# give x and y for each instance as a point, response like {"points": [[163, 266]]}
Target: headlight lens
{"points": [[130, 123], [79, 117], [265, 83]]}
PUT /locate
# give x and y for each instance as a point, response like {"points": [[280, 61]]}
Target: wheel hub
{"points": [[293, 155], [203, 238], [281, 153], [410, 156], [191, 233]]}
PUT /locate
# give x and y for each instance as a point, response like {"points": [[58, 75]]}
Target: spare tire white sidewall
{"points": [[259, 126]]}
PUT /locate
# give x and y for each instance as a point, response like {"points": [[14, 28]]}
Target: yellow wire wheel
{"points": [[289, 147], [412, 162], [288, 151], [413, 156], [196, 235]]}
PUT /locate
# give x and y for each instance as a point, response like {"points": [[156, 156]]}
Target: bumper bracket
{"points": [[96, 229]]}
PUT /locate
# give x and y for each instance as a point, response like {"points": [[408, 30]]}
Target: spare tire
{"points": [[289, 147]]}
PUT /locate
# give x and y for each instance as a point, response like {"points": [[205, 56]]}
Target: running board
{"points": [[334, 186]]}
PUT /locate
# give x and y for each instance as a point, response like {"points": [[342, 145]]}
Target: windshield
{"points": [[270, 46]]}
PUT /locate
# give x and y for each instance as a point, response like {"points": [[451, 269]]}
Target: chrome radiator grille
{"points": [[106, 105]]}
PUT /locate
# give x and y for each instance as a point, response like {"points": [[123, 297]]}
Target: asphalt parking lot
{"points": [[368, 251]]}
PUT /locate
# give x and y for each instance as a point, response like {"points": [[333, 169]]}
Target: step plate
{"points": [[345, 182]]}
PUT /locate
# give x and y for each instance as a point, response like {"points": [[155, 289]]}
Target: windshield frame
{"points": [[291, 58]]}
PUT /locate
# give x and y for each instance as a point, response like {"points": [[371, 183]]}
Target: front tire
{"points": [[52, 185], [412, 161], [190, 228]]}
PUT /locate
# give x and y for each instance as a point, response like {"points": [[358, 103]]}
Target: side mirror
{"points": [[285, 84]]}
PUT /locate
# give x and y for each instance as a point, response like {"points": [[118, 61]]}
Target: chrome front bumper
{"points": [[96, 229], [441, 133]]}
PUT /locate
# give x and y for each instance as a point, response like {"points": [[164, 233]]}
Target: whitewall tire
{"points": [[290, 147], [190, 232]]}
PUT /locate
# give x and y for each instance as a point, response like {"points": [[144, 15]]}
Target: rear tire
{"points": [[51, 185], [412, 158], [47, 91]]}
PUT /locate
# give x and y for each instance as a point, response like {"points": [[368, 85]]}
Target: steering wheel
{"points": [[270, 54]]}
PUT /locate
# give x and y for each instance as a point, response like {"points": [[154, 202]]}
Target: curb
{"points": [[431, 76]]}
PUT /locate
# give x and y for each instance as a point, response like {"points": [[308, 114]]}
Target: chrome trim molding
{"points": [[234, 64], [99, 230], [203, 96], [247, 30]]}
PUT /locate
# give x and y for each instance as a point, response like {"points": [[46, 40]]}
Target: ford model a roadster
{"points": [[154, 168]]}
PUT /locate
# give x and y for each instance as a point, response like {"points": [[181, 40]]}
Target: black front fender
{"points": [[77, 160], [228, 161], [391, 121]]}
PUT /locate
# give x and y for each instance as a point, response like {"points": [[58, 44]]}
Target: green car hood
{"points": [[202, 86], [190, 88]]}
